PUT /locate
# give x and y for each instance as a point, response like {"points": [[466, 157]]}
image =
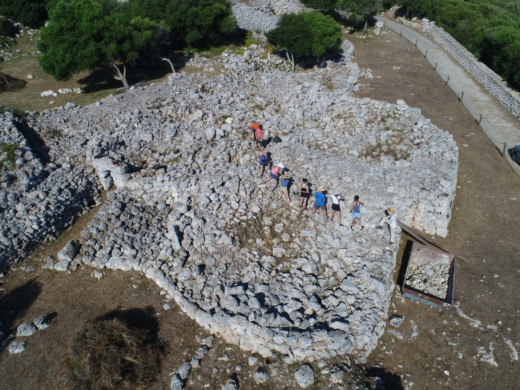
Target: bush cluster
{"points": [[490, 29], [110, 354]]}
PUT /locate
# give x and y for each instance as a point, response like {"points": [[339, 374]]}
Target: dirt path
{"points": [[448, 350]]}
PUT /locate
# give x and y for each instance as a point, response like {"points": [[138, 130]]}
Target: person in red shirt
{"points": [[253, 127]]}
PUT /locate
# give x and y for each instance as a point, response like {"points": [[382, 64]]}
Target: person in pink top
{"points": [[275, 173]]}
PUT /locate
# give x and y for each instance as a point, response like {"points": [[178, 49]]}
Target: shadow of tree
{"points": [[139, 319], [15, 303], [384, 379], [151, 69]]}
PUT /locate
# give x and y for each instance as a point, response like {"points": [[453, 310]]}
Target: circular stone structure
{"points": [[191, 212]]}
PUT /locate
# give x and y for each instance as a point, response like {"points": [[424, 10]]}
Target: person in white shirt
{"points": [[391, 219], [335, 207]]}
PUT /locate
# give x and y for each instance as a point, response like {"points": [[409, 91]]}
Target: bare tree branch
{"points": [[120, 76], [169, 62]]}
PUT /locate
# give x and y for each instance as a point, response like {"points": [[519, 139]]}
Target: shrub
{"points": [[110, 354]]}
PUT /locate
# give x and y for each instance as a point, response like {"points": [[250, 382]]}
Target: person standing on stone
{"points": [[285, 181], [335, 206], [390, 218], [275, 173], [305, 194], [355, 209], [263, 160], [259, 136], [320, 201], [253, 127]]}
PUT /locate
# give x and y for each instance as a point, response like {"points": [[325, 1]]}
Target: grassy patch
{"points": [[53, 133], [16, 112], [250, 40], [10, 152]]}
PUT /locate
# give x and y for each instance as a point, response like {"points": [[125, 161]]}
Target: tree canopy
{"points": [[306, 35], [193, 23], [86, 34], [488, 28], [355, 13]]}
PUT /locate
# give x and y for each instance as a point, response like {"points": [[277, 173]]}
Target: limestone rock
{"points": [[304, 376], [26, 329]]}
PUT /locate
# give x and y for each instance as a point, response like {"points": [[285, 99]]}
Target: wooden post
{"points": [[425, 53], [448, 80], [461, 96], [504, 149], [435, 67], [480, 119]]}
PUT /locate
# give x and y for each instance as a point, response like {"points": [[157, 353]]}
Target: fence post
{"points": [[425, 53], [504, 149], [448, 80], [415, 42], [435, 67], [480, 119], [461, 96]]}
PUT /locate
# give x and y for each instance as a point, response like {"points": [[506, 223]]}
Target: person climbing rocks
{"points": [[355, 209], [263, 160], [258, 133], [253, 127], [390, 218], [320, 201], [285, 181], [335, 206], [275, 173], [305, 194]]}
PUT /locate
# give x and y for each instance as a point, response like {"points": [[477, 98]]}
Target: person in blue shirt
{"points": [[264, 159], [320, 201], [284, 187]]}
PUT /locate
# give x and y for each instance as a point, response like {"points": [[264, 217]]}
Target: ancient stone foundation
{"points": [[189, 210]]}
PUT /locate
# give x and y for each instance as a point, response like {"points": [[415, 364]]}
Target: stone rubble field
{"points": [[187, 208]]}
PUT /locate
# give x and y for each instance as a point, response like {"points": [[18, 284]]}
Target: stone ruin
{"points": [[187, 207]]}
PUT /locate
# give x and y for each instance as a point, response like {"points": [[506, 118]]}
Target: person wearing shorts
{"points": [[335, 207], [284, 187], [355, 209], [275, 173], [305, 194], [263, 160], [320, 201]]}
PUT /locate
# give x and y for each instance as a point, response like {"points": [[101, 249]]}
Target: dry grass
{"points": [[97, 84], [109, 354]]}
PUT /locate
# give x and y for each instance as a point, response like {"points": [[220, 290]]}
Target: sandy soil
{"points": [[461, 348], [450, 349]]}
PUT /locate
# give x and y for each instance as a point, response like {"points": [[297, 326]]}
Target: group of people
{"points": [[279, 174]]}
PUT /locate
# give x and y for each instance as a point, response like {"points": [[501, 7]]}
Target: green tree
{"points": [[501, 52], [87, 34], [193, 23], [31, 13], [359, 12], [320, 5], [307, 35]]}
